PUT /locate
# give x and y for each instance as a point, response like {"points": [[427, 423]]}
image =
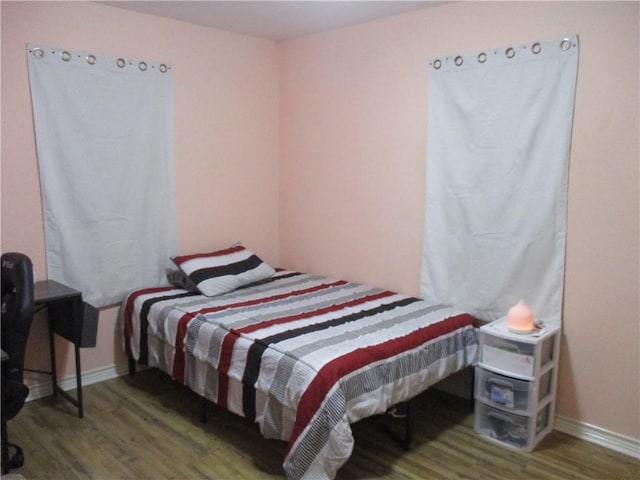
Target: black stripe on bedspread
{"points": [[144, 321], [254, 356]]}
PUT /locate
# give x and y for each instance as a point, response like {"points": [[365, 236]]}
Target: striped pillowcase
{"points": [[223, 271]]}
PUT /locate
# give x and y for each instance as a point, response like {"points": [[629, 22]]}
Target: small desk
{"points": [[65, 314]]}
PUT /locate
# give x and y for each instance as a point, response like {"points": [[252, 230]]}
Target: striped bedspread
{"points": [[303, 356]]}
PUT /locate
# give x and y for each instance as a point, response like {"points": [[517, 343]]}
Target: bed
{"points": [[303, 356]]}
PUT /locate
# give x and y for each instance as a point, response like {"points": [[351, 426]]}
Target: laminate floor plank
{"points": [[147, 427]]}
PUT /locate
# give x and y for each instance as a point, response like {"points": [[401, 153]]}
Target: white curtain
{"points": [[498, 142], [105, 152]]}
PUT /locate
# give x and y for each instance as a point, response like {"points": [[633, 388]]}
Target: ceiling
{"points": [[275, 20]]}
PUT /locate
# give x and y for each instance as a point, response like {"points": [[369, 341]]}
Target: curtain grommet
{"points": [[163, 68], [536, 48], [38, 53], [142, 66], [120, 62], [565, 44], [510, 52], [437, 64], [65, 56], [91, 59], [482, 57], [458, 61]]}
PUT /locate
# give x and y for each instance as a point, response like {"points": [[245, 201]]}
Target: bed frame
{"points": [[407, 417]]}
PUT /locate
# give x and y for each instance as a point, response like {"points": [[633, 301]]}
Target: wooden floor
{"points": [[147, 427]]}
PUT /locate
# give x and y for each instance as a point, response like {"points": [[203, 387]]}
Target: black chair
{"points": [[17, 314]]}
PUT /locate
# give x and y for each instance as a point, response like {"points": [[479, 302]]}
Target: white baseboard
{"points": [[44, 389], [605, 438], [590, 433]]}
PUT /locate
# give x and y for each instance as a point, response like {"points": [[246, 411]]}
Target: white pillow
{"points": [[223, 271]]}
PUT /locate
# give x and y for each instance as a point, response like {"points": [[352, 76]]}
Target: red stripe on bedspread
{"points": [[223, 368], [333, 371], [128, 313], [312, 313], [226, 350], [230, 340]]}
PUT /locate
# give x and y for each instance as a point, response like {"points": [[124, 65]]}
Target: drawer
{"points": [[519, 396], [512, 430], [508, 355], [547, 350]]}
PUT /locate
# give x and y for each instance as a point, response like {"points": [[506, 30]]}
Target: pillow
{"points": [[223, 271]]}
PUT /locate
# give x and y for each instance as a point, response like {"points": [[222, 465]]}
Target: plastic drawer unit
{"points": [[515, 384]]}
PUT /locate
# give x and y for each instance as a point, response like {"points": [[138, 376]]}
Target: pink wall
{"points": [[315, 148], [226, 136], [353, 139]]}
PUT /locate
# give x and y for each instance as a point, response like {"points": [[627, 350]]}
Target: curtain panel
{"points": [[498, 144], [104, 140]]}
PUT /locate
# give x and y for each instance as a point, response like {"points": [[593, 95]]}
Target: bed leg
{"points": [[407, 416], [408, 426], [203, 411], [472, 393], [132, 366]]}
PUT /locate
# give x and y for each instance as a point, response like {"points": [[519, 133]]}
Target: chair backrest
{"points": [[17, 311]]}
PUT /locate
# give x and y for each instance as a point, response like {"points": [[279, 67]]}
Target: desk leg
{"points": [[79, 382], [54, 373], [5, 449], [52, 350]]}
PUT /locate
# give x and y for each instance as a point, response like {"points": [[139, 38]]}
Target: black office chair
{"points": [[17, 314]]}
